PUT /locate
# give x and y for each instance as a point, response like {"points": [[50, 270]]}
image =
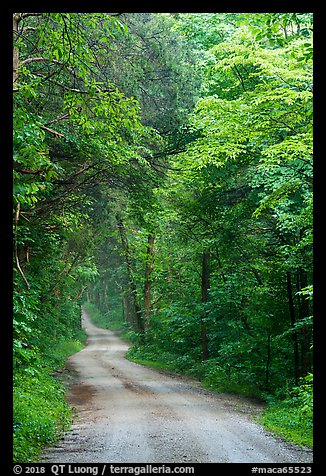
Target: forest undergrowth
{"points": [[42, 414]]}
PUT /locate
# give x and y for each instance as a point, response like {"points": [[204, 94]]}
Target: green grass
{"points": [[111, 321], [245, 389], [292, 418], [145, 355], [153, 364], [41, 414], [288, 422], [208, 372], [57, 356]]}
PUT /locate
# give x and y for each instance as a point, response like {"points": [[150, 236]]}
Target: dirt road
{"points": [[128, 413]]}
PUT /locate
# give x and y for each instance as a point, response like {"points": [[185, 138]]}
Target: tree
{"points": [[240, 192]]}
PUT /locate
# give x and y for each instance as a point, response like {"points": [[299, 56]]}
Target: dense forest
{"points": [[163, 179]]}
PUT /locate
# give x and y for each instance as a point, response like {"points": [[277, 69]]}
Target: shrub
{"points": [[292, 418], [41, 413]]}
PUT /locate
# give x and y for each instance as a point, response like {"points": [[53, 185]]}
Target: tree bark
{"points": [[305, 334], [293, 320], [16, 19], [148, 277], [268, 361], [205, 285], [126, 310], [132, 285], [106, 297], [16, 247]]}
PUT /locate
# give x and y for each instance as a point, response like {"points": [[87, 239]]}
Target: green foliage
{"points": [[57, 356], [219, 379], [41, 413]]}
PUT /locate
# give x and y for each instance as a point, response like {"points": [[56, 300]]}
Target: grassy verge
{"points": [[104, 321], [292, 418], [154, 364], [284, 420], [41, 413], [208, 372]]}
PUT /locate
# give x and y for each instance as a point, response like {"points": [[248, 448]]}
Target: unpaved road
{"points": [[128, 413]]}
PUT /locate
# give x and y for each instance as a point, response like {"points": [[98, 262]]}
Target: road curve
{"points": [[128, 413]]}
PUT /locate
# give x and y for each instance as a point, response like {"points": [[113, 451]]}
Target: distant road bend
{"points": [[128, 413]]}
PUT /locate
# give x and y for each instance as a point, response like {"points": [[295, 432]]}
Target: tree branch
{"points": [[16, 248], [80, 293], [41, 59], [58, 119], [31, 172], [52, 131], [240, 77]]}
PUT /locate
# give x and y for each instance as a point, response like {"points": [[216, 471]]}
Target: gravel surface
{"points": [[129, 413]]}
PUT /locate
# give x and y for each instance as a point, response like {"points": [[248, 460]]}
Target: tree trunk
{"points": [[305, 334], [127, 312], [268, 361], [106, 297], [132, 285], [169, 258], [205, 285], [16, 18], [292, 319], [148, 278]]}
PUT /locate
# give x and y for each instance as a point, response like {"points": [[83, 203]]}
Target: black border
{"points": [[6, 235]]}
